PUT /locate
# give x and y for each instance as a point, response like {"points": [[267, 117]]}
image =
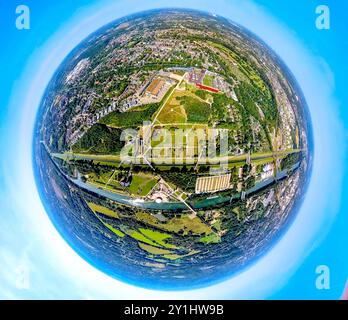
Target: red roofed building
{"points": [[203, 87]]}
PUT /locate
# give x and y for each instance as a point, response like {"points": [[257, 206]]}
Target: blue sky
{"points": [[29, 244]]}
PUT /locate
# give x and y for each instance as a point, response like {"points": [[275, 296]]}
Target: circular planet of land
{"points": [[172, 149]]}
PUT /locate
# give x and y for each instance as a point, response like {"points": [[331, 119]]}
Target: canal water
{"points": [[172, 206]]}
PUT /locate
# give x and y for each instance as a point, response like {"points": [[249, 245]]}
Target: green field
{"points": [[208, 80], [186, 106], [158, 237], [103, 210], [197, 111], [114, 230], [142, 184], [99, 139], [183, 224], [164, 253], [140, 237], [131, 118], [211, 238], [173, 112], [152, 249], [107, 180]]}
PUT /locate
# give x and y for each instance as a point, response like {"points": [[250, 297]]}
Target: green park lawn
{"points": [[142, 184]]}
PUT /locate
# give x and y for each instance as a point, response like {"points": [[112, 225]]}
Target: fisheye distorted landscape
{"points": [[172, 149]]}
